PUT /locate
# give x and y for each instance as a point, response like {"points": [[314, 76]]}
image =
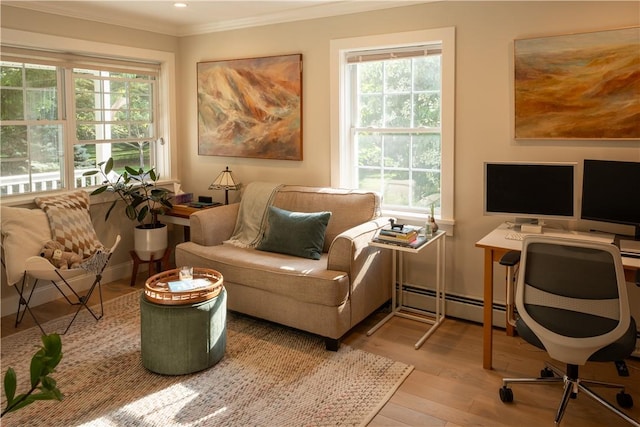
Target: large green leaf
{"points": [[35, 369], [10, 385], [43, 362], [108, 167]]}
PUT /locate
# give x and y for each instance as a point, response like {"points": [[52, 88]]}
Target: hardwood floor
{"points": [[448, 386]]}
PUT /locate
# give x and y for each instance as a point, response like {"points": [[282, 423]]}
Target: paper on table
{"points": [[188, 285]]}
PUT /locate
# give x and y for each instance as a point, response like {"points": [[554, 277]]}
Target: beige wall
{"points": [[484, 102], [28, 20]]}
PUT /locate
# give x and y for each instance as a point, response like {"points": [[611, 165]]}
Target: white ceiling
{"points": [[203, 16]]}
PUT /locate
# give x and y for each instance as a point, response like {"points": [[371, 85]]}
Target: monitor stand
{"points": [[631, 247], [519, 221]]}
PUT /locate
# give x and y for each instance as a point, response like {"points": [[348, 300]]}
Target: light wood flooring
{"points": [[448, 386]]}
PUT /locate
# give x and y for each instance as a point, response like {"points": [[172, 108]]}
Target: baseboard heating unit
{"points": [[465, 308]]}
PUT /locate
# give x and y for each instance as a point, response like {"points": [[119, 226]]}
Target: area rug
{"points": [[270, 376]]}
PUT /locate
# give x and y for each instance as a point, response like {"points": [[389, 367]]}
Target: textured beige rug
{"points": [[270, 376]]}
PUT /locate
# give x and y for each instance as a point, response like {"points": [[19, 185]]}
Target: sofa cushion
{"points": [[298, 279], [295, 233], [348, 207]]}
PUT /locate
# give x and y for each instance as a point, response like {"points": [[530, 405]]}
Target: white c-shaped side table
{"points": [[397, 307]]}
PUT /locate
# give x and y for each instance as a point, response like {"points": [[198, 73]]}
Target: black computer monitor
{"points": [[530, 191], [611, 192]]}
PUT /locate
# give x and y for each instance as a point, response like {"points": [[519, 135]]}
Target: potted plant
{"points": [[144, 200]]}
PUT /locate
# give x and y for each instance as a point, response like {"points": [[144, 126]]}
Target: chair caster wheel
{"points": [[546, 373], [506, 394], [624, 400]]}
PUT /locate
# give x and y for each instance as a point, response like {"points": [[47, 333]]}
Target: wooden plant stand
{"points": [[164, 264]]}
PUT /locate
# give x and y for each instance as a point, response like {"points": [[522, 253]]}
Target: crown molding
{"points": [[301, 13]]}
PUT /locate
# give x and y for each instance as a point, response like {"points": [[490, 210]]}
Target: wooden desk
{"points": [[179, 215], [495, 245]]}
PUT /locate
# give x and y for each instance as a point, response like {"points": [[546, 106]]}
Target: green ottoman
{"points": [[181, 339]]}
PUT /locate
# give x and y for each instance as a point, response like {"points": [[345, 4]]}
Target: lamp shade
{"points": [[224, 181]]}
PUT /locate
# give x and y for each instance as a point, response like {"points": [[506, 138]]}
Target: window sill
{"points": [[27, 199], [419, 219]]}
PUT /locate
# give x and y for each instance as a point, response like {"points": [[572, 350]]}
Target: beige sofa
{"points": [[326, 297]]}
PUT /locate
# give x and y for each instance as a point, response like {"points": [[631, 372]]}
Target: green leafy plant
{"points": [[43, 387], [138, 188]]}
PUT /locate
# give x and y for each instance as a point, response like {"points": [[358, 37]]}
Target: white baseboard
{"points": [[46, 292], [455, 305]]}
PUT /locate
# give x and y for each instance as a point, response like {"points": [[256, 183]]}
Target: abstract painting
{"points": [[251, 107], [578, 86]]}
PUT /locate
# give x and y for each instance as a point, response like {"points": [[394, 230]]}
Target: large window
{"points": [[393, 124], [59, 119]]}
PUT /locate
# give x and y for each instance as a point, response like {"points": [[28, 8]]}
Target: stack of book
{"points": [[405, 236]]}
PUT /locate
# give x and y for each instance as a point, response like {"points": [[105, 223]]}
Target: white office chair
{"points": [[24, 231], [572, 302]]}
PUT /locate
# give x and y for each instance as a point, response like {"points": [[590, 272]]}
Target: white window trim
{"points": [[341, 158], [167, 151]]}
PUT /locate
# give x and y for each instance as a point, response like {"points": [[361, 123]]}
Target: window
{"points": [[62, 114], [393, 119]]}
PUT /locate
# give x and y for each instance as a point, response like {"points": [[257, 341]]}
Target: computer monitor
{"points": [[610, 192], [530, 192]]}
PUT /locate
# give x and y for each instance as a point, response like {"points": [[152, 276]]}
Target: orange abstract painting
{"points": [[578, 86], [251, 107]]}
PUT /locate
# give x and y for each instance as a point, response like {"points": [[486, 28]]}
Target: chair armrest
{"points": [[210, 227], [510, 259]]}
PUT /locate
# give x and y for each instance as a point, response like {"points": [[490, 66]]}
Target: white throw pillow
{"points": [[24, 232]]}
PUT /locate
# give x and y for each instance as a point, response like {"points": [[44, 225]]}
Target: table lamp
{"points": [[226, 182]]}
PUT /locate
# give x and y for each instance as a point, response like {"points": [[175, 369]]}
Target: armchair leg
{"points": [[331, 344]]}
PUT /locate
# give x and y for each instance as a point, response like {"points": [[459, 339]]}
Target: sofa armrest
{"points": [[210, 227], [346, 245], [368, 267]]}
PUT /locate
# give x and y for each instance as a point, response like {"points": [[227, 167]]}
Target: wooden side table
{"points": [[179, 215]]}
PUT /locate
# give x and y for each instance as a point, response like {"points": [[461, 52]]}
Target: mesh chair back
{"points": [[572, 295]]}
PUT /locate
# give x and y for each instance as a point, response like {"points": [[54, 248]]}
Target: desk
{"points": [[397, 309], [179, 215], [495, 245]]}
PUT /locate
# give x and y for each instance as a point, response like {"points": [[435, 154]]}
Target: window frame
{"points": [[166, 152], [342, 155]]}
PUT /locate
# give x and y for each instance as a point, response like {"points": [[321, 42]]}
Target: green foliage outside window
{"points": [[398, 142], [111, 108]]}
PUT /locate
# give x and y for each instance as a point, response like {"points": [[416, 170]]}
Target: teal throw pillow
{"points": [[295, 233]]}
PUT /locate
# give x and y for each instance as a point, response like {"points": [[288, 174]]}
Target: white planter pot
{"points": [[150, 241]]}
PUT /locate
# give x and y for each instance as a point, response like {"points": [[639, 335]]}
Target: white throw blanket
{"points": [[252, 214]]}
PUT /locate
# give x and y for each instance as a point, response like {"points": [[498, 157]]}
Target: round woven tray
{"points": [[156, 288]]}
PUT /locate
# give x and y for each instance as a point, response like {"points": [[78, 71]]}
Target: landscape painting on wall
{"points": [[251, 108], [578, 86]]}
